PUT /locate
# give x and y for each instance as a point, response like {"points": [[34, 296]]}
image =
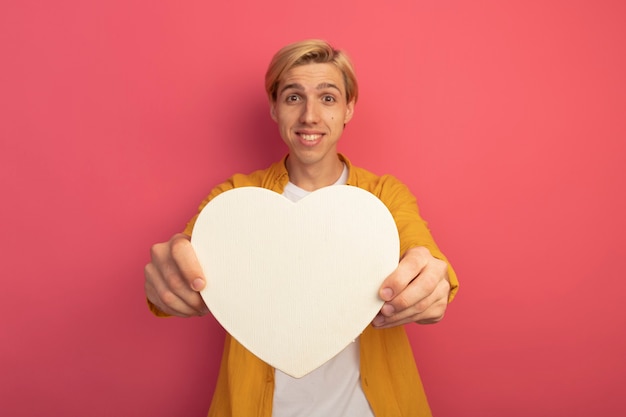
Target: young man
{"points": [[312, 91]]}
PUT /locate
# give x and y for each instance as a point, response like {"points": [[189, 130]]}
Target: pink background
{"points": [[507, 120]]}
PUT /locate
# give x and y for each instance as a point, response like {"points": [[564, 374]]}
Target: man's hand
{"points": [[417, 291], [174, 277]]}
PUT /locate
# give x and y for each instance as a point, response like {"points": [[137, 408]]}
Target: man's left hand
{"points": [[417, 291]]}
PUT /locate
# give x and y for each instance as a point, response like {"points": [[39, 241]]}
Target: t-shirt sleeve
{"points": [[412, 228], [223, 187]]}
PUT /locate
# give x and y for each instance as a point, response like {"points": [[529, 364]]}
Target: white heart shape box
{"points": [[295, 283]]}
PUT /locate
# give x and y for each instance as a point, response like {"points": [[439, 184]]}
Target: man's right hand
{"points": [[174, 278]]}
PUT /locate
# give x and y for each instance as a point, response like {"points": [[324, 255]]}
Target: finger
{"points": [[416, 294], [429, 278], [186, 260], [428, 310], [168, 303], [408, 310], [408, 268], [432, 315], [172, 296], [176, 287], [170, 291], [426, 317]]}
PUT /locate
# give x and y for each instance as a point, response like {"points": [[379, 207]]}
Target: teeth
{"points": [[310, 137]]}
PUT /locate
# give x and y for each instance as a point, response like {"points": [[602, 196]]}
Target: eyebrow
{"points": [[299, 87]]}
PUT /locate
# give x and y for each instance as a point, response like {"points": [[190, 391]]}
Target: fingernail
{"points": [[386, 294], [378, 321], [197, 284]]}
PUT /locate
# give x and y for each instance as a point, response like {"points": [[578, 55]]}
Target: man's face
{"points": [[311, 111]]}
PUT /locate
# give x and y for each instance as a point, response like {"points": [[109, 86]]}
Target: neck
{"points": [[313, 177]]}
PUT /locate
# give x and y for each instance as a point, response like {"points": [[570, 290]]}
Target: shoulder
{"points": [[384, 186], [273, 177]]}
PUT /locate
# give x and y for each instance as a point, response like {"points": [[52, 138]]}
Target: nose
{"points": [[310, 112]]}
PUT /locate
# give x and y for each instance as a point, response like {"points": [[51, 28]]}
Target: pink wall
{"points": [[507, 119]]}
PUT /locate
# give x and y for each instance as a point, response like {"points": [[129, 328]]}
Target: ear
{"points": [[349, 112], [273, 110]]}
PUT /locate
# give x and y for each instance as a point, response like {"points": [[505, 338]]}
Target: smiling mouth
{"points": [[310, 137]]}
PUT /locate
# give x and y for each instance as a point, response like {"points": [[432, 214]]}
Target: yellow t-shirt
{"points": [[389, 376]]}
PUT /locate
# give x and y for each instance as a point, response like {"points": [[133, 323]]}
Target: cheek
{"points": [[283, 128], [280, 121]]}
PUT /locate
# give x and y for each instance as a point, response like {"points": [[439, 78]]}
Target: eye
{"points": [[292, 98], [328, 99]]}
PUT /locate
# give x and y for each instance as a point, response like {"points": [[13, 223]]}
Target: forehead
{"points": [[313, 75]]}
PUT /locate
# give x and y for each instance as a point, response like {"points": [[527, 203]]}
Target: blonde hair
{"points": [[313, 51]]}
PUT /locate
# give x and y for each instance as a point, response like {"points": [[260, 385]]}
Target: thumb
{"points": [[390, 287], [400, 278], [185, 258]]}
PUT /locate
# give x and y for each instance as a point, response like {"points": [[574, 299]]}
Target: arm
{"points": [[174, 277], [420, 289]]}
